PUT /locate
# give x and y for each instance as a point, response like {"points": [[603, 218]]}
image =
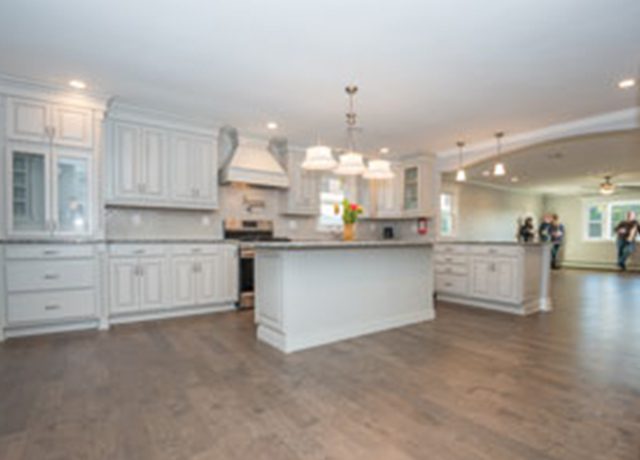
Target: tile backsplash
{"points": [[238, 202]]}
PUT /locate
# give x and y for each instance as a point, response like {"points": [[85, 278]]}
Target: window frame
{"points": [[606, 236], [453, 214], [320, 225]]}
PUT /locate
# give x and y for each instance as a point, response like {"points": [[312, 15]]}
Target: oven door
{"points": [[247, 259]]}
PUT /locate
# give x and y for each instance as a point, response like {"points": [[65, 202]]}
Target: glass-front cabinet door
{"points": [[71, 197], [411, 188], [29, 195]]}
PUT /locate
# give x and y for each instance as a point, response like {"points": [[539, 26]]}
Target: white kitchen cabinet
{"points": [[184, 280], [509, 277], [139, 162], [39, 121], [138, 282], [208, 276], [382, 199], [303, 195], [50, 191], [193, 178], [199, 279], [418, 188]]}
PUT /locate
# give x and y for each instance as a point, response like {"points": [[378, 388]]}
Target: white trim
{"points": [[621, 120], [529, 307], [166, 313], [606, 219]]}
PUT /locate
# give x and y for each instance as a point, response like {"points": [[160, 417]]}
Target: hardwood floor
{"points": [[470, 385]]}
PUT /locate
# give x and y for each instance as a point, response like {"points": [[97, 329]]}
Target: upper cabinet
{"points": [[152, 164], [303, 195], [38, 121]]}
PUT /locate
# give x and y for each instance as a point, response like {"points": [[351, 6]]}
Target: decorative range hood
{"points": [[249, 162]]}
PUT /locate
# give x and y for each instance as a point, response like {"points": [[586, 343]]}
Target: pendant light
{"points": [[498, 168], [378, 170], [461, 174], [351, 162], [319, 158]]}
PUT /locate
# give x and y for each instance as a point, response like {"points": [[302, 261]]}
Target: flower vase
{"points": [[349, 232]]}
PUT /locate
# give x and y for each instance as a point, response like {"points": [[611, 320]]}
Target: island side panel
{"points": [[331, 295], [269, 298]]}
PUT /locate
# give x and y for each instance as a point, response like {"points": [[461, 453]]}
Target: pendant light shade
{"points": [[378, 169], [319, 158], [350, 164], [461, 175], [607, 188], [498, 168]]}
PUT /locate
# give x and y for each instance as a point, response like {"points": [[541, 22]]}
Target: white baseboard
{"points": [[522, 309], [289, 344], [168, 313], [54, 328], [605, 266]]}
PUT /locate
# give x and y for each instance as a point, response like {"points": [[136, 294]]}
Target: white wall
{"points": [[490, 214], [576, 251]]}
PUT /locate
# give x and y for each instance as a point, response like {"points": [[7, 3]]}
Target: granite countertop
{"points": [[169, 241], [50, 241], [333, 244], [490, 243]]}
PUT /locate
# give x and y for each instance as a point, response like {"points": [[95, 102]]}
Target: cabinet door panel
{"points": [[72, 196], [152, 283], [72, 126], [152, 164], [182, 184], [208, 279], [203, 169], [27, 120], [29, 192], [506, 275], [183, 276], [124, 284], [482, 278], [126, 155]]}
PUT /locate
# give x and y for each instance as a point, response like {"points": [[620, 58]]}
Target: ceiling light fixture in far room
{"points": [[607, 187], [627, 83], [498, 168], [77, 84], [319, 158], [384, 150], [272, 126], [461, 174], [351, 162]]}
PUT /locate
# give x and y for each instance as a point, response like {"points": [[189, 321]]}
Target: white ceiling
{"points": [[430, 72], [569, 166]]}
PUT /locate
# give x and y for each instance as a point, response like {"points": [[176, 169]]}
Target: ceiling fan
{"points": [[607, 187]]}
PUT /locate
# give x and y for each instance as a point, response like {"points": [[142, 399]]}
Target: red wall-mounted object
{"points": [[422, 226]]}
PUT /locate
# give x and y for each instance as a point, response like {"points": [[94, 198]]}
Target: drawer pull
{"points": [[139, 251], [50, 252], [52, 307], [51, 276]]}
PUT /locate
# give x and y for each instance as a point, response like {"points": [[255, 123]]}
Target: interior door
{"points": [[183, 277], [28, 192], [152, 283], [72, 194], [124, 285]]}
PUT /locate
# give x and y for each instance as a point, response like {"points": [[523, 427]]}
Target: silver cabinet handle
{"points": [[51, 276], [52, 307], [50, 252], [196, 250], [139, 251]]}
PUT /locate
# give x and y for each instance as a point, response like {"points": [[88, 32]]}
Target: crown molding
{"points": [[621, 120]]}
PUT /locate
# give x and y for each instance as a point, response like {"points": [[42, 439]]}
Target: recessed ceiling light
{"points": [[627, 83], [77, 84], [272, 125], [515, 179], [384, 150]]}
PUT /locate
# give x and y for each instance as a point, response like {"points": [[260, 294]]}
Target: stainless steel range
{"points": [[247, 231]]}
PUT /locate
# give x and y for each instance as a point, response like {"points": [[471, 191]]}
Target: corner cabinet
{"points": [[158, 166], [303, 195]]}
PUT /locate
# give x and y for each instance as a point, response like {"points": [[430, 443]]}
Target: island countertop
{"points": [[490, 243], [334, 244]]}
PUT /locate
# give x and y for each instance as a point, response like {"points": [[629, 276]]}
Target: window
{"points": [[331, 194], [601, 218], [446, 214]]}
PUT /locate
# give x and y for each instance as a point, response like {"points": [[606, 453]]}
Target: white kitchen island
{"points": [[317, 292]]}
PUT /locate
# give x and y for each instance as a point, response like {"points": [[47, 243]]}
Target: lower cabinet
{"points": [[494, 278], [155, 277]]}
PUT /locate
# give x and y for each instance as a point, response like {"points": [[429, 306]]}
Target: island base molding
{"points": [[527, 308], [290, 344], [168, 313]]}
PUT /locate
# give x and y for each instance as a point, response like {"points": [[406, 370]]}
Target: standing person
{"points": [[556, 231], [544, 230], [526, 232], [626, 233]]}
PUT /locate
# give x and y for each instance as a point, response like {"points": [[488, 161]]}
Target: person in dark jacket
{"points": [[556, 231], [626, 234], [526, 234], [544, 230]]}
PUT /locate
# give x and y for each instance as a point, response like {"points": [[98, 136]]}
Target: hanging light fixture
{"points": [[461, 174], [350, 163], [607, 187], [498, 168], [379, 170], [319, 158]]}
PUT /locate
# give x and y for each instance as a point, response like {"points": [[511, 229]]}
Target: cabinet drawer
{"points": [[137, 250], [496, 250], [454, 284], [48, 251], [32, 275], [452, 269], [451, 249], [50, 306], [195, 249], [447, 258]]}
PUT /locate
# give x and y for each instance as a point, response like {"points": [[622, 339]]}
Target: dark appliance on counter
{"points": [[247, 231]]}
